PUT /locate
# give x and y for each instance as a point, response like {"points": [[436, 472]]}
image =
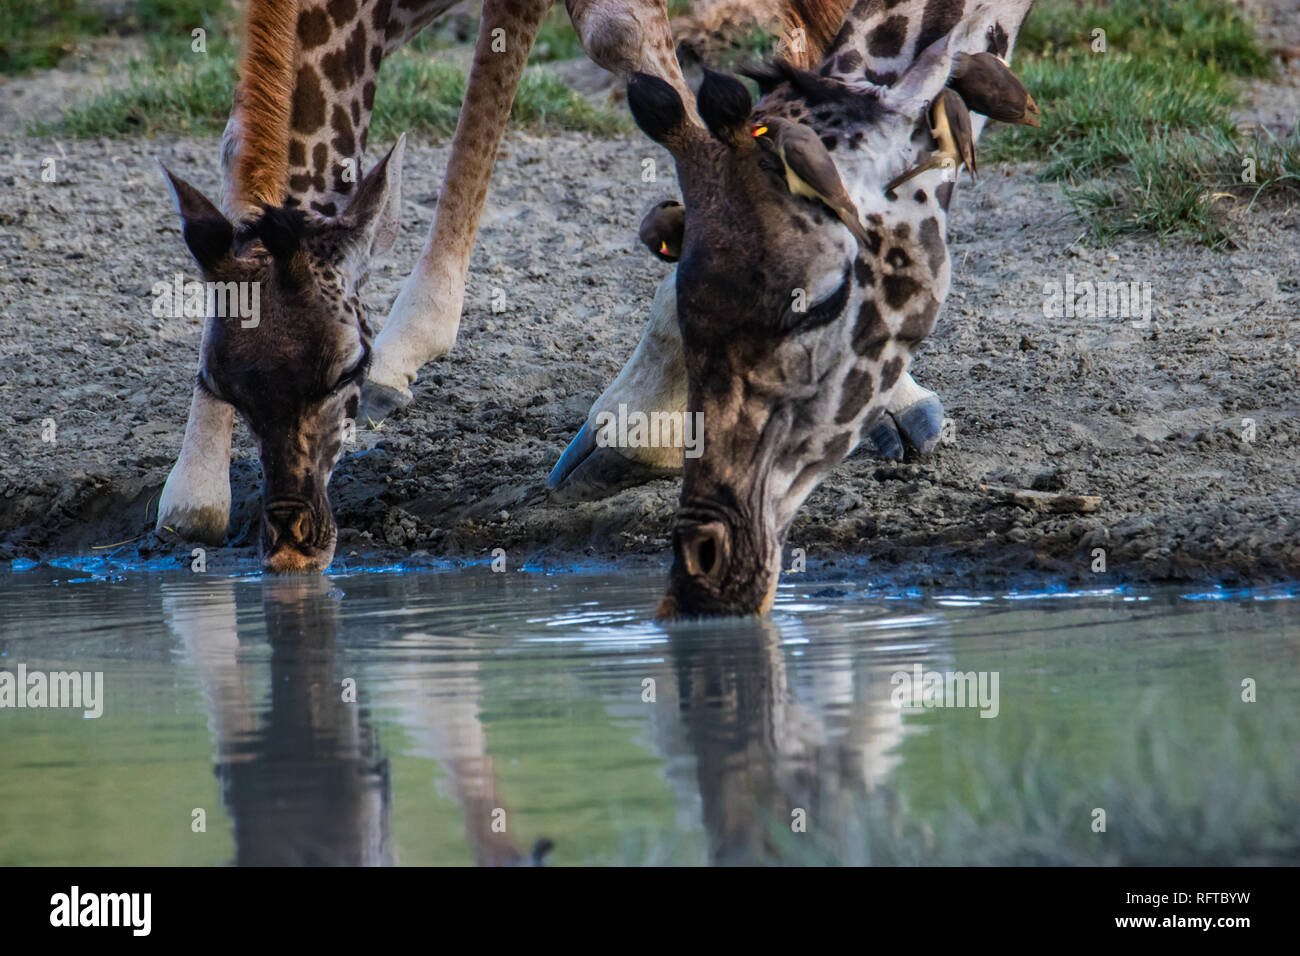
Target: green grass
{"points": [[416, 94], [189, 97], [556, 38], [1199, 31], [37, 34], [1141, 134], [420, 94]]}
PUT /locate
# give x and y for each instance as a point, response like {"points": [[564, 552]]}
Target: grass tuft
{"points": [[35, 36], [416, 94], [189, 97], [1141, 134], [419, 94]]}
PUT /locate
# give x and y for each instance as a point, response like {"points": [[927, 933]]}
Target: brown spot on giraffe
{"points": [[944, 194], [313, 28], [870, 333], [899, 290], [308, 102], [886, 41], [890, 372], [932, 241], [939, 18], [854, 394], [342, 11], [918, 325], [898, 258], [344, 142]]}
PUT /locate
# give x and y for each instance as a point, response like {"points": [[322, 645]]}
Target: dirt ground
{"points": [[1187, 429]]}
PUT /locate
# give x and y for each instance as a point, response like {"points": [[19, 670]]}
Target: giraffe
{"points": [[298, 222], [794, 337], [654, 377]]}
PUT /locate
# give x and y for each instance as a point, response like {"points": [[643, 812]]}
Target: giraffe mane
{"points": [[820, 21], [263, 100]]}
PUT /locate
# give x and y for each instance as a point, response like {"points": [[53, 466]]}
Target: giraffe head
{"points": [[795, 332], [294, 367]]}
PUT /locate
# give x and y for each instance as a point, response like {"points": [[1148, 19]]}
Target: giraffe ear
{"points": [[374, 211], [208, 234], [725, 106], [658, 110]]}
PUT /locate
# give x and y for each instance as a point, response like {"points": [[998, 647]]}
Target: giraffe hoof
{"points": [[380, 401], [886, 440], [204, 523], [588, 472], [921, 423]]}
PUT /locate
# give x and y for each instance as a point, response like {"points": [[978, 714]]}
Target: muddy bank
{"points": [[1186, 427]]}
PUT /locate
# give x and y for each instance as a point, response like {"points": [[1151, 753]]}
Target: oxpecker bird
{"points": [[810, 171], [951, 127], [988, 86], [662, 230]]}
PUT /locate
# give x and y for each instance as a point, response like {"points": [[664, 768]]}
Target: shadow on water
{"points": [[371, 719]]}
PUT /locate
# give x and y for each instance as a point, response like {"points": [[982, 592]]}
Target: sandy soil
{"points": [[1154, 420]]}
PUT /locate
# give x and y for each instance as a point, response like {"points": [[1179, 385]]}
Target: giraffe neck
{"points": [[340, 47], [880, 39]]}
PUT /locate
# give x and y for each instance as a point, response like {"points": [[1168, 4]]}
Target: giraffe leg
{"points": [[653, 380], [426, 316], [195, 501]]}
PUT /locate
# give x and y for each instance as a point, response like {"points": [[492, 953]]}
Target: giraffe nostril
{"points": [[286, 524], [703, 550], [707, 555]]}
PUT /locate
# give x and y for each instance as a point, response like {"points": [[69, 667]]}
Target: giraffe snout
{"points": [[296, 538]]}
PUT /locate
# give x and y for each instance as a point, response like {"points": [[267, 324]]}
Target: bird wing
{"points": [[808, 159], [959, 126]]}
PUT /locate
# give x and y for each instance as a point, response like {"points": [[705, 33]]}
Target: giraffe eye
{"points": [[822, 313], [357, 372], [208, 385]]}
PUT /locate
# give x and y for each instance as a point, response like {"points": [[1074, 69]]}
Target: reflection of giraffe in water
{"points": [[302, 777]]}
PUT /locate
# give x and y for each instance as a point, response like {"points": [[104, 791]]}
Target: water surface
{"points": [[457, 717]]}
